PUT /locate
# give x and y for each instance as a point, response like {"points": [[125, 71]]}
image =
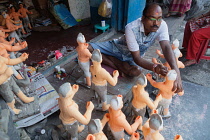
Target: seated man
{"points": [[196, 31], [125, 54]]}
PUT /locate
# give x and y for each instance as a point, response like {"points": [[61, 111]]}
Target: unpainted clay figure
{"points": [[141, 97], [16, 17], [165, 89], [84, 56], [24, 12], [7, 84], [69, 110], [100, 77], [178, 137], [177, 53], [117, 120], [96, 126], [153, 126], [10, 23]]}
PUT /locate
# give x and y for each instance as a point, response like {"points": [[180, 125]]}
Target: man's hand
{"points": [[177, 85], [24, 56], [160, 69]]}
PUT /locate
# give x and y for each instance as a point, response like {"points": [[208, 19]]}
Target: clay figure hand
{"points": [[24, 44], [24, 56], [178, 137], [135, 136], [159, 97], [90, 137], [115, 73], [89, 105]]}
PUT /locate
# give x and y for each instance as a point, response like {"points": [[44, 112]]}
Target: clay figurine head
{"points": [[116, 102], [155, 122], [4, 14], [94, 126], [66, 90], [80, 38], [142, 80], [171, 75], [96, 56], [175, 44]]}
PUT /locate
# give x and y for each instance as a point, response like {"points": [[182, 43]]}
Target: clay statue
{"points": [[100, 77], [69, 111], [178, 137], [141, 98], [177, 53], [10, 23], [96, 126], [165, 89], [84, 56], [24, 12], [152, 127], [8, 86], [117, 120], [16, 17]]}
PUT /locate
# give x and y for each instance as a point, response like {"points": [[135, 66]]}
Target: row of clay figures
{"points": [[116, 119], [17, 23], [10, 79]]}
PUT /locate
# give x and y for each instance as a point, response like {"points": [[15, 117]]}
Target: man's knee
{"points": [[134, 71]]}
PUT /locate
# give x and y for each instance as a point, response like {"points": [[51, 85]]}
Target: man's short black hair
{"points": [[148, 6]]}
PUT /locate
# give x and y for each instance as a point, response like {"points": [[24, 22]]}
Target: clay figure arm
{"points": [[14, 48], [28, 12], [105, 120], [15, 61], [111, 80], [84, 119], [132, 128], [160, 54], [170, 58], [159, 69], [154, 104], [152, 82]]}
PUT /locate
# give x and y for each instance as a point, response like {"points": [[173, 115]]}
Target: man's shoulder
{"points": [[134, 23]]}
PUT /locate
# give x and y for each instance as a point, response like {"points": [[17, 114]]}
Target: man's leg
{"points": [[122, 67]]}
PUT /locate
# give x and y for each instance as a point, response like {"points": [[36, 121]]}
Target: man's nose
{"points": [[155, 22]]}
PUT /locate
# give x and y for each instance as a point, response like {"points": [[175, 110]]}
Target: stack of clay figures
{"points": [[97, 77]]}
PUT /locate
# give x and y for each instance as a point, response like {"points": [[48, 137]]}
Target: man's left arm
{"points": [[170, 58]]}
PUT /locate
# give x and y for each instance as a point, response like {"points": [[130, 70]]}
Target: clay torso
{"points": [[115, 121], [139, 98], [98, 76], [83, 54], [67, 108], [23, 11]]}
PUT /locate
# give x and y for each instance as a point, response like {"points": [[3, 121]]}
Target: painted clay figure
{"points": [[24, 12], [178, 137], [177, 53], [8, 86], [16, 17], [141, 98], [152, 127], [100, 77], [96, 126], [69, 110], [165, 89], [117, 120], [84, 56]]}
